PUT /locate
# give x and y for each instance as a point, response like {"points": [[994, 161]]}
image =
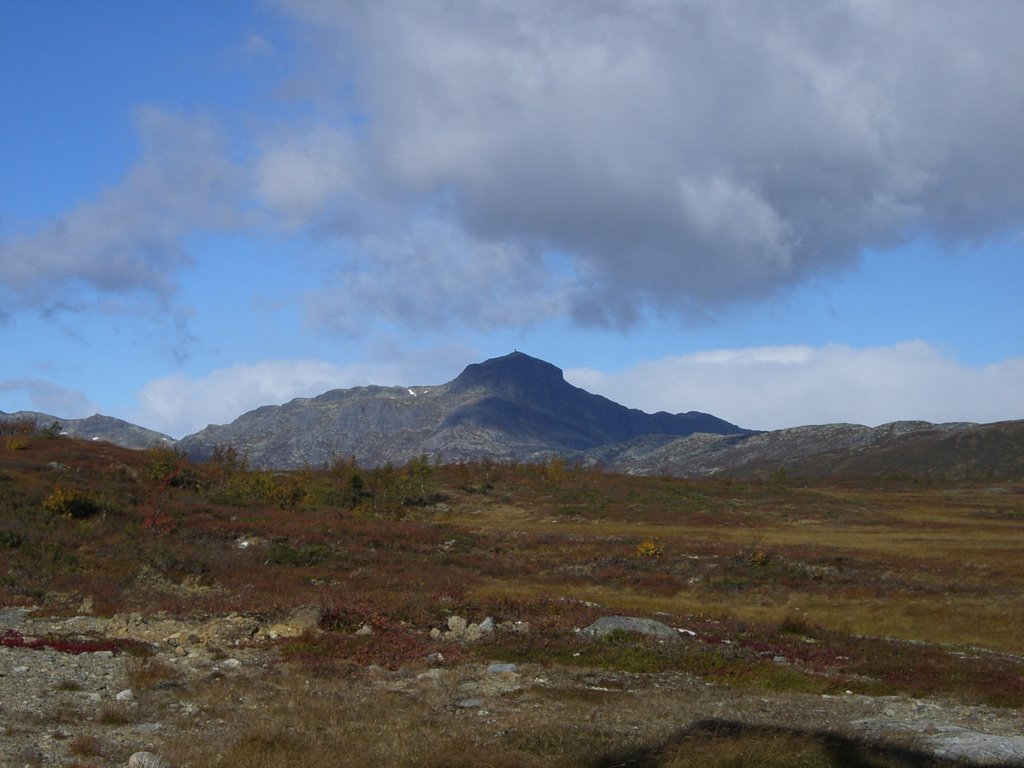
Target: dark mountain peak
{"points": [[516, 376]]}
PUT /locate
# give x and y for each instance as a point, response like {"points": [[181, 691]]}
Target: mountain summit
{"points": [[510, 408]]}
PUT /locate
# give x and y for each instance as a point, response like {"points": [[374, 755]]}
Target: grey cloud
{"points": [[130, 238], [688, 154]]}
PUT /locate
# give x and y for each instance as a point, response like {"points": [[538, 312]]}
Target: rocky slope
{"points": [[511, 408], [952, 451]]}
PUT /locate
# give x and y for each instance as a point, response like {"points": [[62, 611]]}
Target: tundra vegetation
{"points": [[882, 585]]}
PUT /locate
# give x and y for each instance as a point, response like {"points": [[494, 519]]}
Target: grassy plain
{"points": [[880, 586]]}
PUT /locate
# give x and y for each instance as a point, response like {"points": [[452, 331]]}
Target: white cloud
{"points": [[786, 386], [433, 276], [131, 237], [47, 397], [307, 176]]}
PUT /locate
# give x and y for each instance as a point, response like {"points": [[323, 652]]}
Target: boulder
{"points": [[608, 624]]}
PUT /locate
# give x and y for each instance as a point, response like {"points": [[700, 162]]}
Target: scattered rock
{"points": [[299, 621], [364, 630], [515, 627], [606, 625], [125, 695], [456, 625]]}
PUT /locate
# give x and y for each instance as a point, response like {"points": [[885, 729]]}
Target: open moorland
{"points": [[216, 615]]}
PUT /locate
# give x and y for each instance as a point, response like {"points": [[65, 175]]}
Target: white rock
{"points": [[125, 695], [147, 760]]}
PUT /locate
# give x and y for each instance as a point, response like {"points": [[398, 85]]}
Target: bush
{"points": [[649, 549], [70, 503]]}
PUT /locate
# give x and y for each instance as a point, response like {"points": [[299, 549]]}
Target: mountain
{"points": [[97, 427], [511, 408], [952, 451]]}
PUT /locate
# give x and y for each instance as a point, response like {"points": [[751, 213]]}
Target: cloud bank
{"points": [[681, 155], [592, 160], [788, 386]]}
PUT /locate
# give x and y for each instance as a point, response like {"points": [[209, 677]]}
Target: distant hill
{"points": [[954, 451], [519, 408], [97, 427], [508, 408]]}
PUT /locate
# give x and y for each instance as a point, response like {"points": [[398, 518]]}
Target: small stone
{"points": [[473, 632], [471, 703], [435, 633], [147, 760], [125, 695], [435, 658], [498, 668], [456, 625], [487, 625], [364, 630], [20, 670], [103, 654], [231, 663]]}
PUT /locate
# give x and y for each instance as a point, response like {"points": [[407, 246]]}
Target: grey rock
{"points": [[979, 748], [456, 625], [125, 695], [473, 703], [499, 668], [364, 630], [609, 624], [10, 618], [487, 625]]}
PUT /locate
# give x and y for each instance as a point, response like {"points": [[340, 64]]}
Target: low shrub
{"points": [[71, 503]]}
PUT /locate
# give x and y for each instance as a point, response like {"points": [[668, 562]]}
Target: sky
{"points": [[780, 213]]}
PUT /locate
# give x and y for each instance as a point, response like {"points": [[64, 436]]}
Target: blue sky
{"points": [[775, 216]]}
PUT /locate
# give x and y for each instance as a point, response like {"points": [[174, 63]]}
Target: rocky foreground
{"points": [[201, 682]]}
